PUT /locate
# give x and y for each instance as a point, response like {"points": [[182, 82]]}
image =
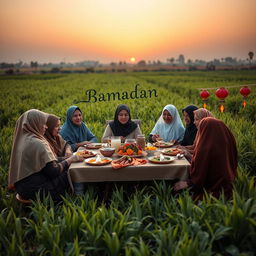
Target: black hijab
{"points": [[191, 130], [119, 129]]}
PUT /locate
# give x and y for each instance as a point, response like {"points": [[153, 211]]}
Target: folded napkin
{"points": [[127, 161]]}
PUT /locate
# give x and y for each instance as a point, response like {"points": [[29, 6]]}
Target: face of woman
{"points": [[167, 117], [42, 129], [123, 116], [186, 118], [196, 120], [77, 118], [56, 129]]}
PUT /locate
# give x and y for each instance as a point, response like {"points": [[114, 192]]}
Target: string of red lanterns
{"points": [[222, 93]]}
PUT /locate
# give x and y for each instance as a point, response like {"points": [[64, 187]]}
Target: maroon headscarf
{"points": [[214, 162]]}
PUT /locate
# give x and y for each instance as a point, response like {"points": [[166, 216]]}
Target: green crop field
{"points": [[149, 220]]}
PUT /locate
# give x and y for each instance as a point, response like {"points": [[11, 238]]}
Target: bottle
{"points": [[141, 141]]}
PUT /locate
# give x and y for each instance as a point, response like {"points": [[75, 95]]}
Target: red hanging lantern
{"points": [[245, 91], [222, 93], [204, 94]]}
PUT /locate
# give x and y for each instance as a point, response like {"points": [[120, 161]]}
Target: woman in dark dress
{"points": [[191, 130], [33, 165], [122, 125], [214, 162]]}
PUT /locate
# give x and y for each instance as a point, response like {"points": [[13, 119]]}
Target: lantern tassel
{"points": [[222, 108], [244, 104], [204, 105]]}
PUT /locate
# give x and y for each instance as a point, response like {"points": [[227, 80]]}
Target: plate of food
{"points": [[172, 151], [161, 159], [85, 153], [163, 144], [131, 150], [93, 146], [96, 161]]}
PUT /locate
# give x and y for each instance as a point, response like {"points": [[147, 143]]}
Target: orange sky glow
{"points": [[117, 30]]}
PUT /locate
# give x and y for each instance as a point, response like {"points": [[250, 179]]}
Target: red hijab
{"points": [[214, 162]]}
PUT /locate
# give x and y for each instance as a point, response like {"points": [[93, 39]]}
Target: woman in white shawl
{"points": [[169, 126], [33, 165]]}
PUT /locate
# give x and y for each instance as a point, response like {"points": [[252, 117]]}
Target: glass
{"points": [[130, 141], [141, 141], [116, 142]]}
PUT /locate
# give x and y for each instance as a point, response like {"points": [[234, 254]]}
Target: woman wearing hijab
{"points": [[59, 146], [191, 130], [214, 163], [74, 130], [169, 126], [122, 125], [33, 165]]}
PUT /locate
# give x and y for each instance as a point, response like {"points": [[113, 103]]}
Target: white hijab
{"points": [[173, 131], [30, 150]]}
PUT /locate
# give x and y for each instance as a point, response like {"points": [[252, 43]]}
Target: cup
{"points": [[116, 142]]}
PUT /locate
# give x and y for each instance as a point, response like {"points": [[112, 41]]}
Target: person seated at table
{"points": [[169, 126], [33, 165], [122, 125], [214, 162], [191, 130], [199, 114], [59, 146], [75, 131]]}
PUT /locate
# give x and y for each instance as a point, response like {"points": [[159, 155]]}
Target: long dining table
{"points": [[82, 172]]}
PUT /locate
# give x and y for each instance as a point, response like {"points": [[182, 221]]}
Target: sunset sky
{"points": [[116, 30]]}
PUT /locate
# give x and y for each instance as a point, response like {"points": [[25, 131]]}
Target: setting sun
{"points": [[132, 59]]}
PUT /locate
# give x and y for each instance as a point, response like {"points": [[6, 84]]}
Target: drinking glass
{"points": [[116, 142]]}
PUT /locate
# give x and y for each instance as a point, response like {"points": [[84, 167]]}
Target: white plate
{"points": [[93, 146], [87, 161], [167, 159], [93, 153]]}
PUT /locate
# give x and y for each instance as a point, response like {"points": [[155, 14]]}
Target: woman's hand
{"points": [[68, 152], [74, 159], [156, 137], [180, 185], [85, 142]]}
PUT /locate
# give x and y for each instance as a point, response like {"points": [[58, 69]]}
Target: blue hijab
{"points": [[173, 131], [73, 133]]}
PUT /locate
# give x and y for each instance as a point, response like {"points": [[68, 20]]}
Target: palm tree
{"points": [[250, 54]]}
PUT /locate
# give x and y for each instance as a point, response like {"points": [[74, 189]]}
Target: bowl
{"points": [[107, 152], [151, 152]]}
